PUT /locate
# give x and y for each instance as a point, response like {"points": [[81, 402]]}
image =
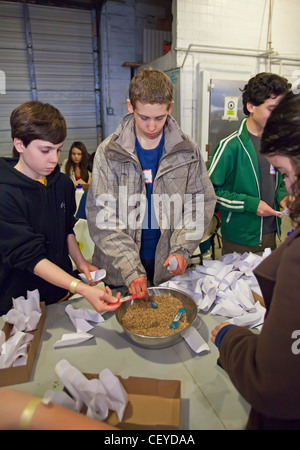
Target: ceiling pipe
{"points": [[233, 51]]}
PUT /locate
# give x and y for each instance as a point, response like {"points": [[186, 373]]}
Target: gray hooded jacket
{"points": [[115, 208]]}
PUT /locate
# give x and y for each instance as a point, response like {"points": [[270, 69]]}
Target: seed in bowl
{"points": [[140, 319]]}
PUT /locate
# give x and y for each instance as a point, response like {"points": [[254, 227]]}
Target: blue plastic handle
{"points": [[179, 313]]}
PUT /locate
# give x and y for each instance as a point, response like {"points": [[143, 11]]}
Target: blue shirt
{"points": [[149, 160]]}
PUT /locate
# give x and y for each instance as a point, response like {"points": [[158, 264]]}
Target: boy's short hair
{"points": [[36, 120], [263, 86], [151, 86]]}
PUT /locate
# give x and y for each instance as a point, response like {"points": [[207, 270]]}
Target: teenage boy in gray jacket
{"points": [[147, 161]]}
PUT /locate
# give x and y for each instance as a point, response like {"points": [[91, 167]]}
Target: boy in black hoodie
{"points": [[37, 207]]}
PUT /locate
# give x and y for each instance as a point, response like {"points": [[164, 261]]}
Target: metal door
{"points": [[226, 110]]}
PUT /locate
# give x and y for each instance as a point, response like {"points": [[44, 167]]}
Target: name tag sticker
{"points": [[148, 177], [272, 170]]}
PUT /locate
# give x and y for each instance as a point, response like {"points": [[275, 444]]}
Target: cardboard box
{"points": [[21, 374], [258, 298], [153, 404]]}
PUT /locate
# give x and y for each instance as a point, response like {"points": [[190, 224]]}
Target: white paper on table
{"points": [[251, 320], [267, 252], [195, 340], [209, 288], [244, 267], [69, 339], [189, 275], [223, 272], [227, 307], [230, 257], [13, 352], [215, 264], [229, 279], [71, 377], [96, 275], [31, 303], [256, 288], [207, 301], [209, 269], [17, 319], [222, 287], [99, 394], [252, 259], [176, 285], [243, 293], [196, 287], [25, 314], [80, 317], [115, 392]]}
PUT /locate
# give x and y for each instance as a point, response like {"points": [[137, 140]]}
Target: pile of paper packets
{"points": [[24, 317], [224, 287]]}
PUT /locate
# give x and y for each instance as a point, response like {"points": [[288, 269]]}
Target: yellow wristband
{"points": [[73, 286], [28, 413]]}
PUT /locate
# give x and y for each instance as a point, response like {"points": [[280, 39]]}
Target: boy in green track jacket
{"points": [[249, 190]]}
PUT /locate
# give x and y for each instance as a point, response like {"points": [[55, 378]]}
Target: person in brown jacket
{"points": [[265, 367]]}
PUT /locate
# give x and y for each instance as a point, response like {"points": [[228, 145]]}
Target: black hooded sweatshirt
{"points": [[35, 221]]}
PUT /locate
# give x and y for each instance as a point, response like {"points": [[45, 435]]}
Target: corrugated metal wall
{"points": [[62, 63], [153, 41], [13, 62]]}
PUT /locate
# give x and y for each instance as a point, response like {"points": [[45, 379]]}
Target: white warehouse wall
{"points": [[204, 30]]}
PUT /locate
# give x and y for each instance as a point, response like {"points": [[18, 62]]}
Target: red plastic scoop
{"points": [[130, 297]]}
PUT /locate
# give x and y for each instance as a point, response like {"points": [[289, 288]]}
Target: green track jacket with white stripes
{"points": [[234, 173]]}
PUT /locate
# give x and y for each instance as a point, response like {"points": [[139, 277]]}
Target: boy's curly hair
{"points": [[263, 86]]}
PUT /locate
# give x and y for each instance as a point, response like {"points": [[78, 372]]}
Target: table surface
{"points": [[209, 400]]}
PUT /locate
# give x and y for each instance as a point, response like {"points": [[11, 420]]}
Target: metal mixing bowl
{"points": [[160, 341]]}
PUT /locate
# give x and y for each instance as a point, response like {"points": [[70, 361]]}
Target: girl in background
{"points": [[76, 165]]}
